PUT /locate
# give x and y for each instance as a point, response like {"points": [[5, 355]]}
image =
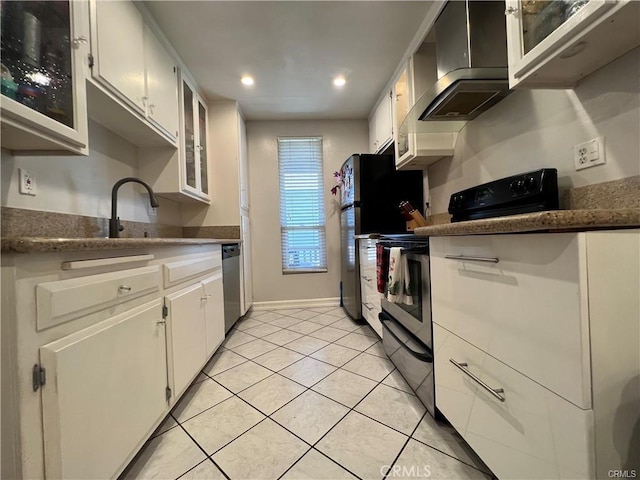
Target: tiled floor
{"points": [[302, 394]]}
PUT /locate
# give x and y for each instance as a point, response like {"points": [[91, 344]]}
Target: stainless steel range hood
{"points": [[471, 56]]}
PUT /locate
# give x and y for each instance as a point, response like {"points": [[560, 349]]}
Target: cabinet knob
{"points": [[511, 11], [77, 41], [124, 288]]}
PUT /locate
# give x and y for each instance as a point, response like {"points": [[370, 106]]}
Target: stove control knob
{"points": [[517, 186], [530, 183], [457, 200]]}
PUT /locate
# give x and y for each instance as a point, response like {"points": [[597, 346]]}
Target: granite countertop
{"points": [[45, 245], [549, 221]]}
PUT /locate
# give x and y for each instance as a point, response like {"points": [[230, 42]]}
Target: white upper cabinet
{"points": [[193, 148], [161, 82], [134, 67], [555, 44], [119, 50], [381, 125], [183, 174], [44, 100]]}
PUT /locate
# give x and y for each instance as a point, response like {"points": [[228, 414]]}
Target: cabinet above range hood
{"points": [[471, 57]]}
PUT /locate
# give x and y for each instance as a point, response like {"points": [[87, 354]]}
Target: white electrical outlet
{"points": [[589, 154], [153, 211], [27, 182]]}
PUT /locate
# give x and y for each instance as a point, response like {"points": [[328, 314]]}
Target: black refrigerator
{"points": [[371, 190]]}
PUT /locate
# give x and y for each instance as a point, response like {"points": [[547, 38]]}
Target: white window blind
{"points": [[302, 218]]}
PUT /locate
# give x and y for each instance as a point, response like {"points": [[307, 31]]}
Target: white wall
{"points": [[532, 129], [82, 185], [340, 140]]}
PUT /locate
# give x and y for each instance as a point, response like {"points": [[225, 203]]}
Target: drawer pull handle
{"points": [[364, 277], [368, 307], [124, 289], [206, 297], [493, 391], [473, 259]]}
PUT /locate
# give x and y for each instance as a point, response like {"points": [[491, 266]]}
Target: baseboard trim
{"points": [[304, 303]]}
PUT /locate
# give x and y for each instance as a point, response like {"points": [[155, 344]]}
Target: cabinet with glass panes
{"points": [[556, 43], [42, 80]]}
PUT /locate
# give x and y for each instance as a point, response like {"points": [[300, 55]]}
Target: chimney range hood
{"points": [[471, 57]]}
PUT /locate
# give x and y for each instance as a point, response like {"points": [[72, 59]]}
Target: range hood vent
{"points": [[471, 57]]}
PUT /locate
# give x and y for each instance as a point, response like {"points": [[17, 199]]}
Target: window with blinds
{"points": [[302, 219]]}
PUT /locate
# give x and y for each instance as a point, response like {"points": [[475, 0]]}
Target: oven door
{"points": [[415, 318]]}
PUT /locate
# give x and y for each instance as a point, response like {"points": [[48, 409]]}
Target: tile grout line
{"points": [[350, 409]]}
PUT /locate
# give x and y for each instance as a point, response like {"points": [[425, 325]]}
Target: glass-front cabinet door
{"points": [[554, 43], [42, 80], [202, 147], [189, 150], [194, 152]]}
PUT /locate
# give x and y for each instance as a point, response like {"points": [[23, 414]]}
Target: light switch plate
{"points": [[27, 182]]}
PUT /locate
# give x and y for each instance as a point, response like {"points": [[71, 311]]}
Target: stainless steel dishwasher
{"points": [[231, 282]]}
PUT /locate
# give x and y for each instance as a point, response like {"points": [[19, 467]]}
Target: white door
{"points": [[120, 49], [246, 265], [105, 388], [162, 85], [214, 311], [187, 335]]}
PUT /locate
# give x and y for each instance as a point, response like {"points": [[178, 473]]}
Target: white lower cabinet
{"points": [[194, 317], [213, 312], [515, 436], [108, 390], [536, 350], [370, 297], [186, 324], [91, 363]]}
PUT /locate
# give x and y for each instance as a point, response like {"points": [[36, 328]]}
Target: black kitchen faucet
{"points": [[114, 222]]}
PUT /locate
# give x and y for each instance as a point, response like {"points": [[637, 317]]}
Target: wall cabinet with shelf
{"points": [[183, 174], [416, 151], [44, 101], [113, 364], [134, 75], [555, 44], [573, 295]]}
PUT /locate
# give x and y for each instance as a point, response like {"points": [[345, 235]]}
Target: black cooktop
{"points": [[524, 193]]}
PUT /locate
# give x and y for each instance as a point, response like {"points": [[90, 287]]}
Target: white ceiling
{"points": [[293, 49]]}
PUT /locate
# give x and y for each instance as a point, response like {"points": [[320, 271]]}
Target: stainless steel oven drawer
{"points": [[412, 359]]}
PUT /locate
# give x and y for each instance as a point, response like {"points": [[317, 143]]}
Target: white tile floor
{"points": [[302, 394]]}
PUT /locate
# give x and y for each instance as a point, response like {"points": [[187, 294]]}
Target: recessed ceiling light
{"points": [[339, 81], [247, 80]]}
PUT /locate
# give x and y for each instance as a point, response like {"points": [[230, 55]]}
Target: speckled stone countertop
{"points": [[45, 245], [550, 221]]}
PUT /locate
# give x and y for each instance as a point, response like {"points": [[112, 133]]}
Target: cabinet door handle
{"points": [[124, 289], [493, 391], [161, 322], [473, 259], [367, 305], [511, 11], [206, 297]]}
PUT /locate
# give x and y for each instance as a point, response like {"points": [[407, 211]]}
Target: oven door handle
{"points": [[388, 324]]}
